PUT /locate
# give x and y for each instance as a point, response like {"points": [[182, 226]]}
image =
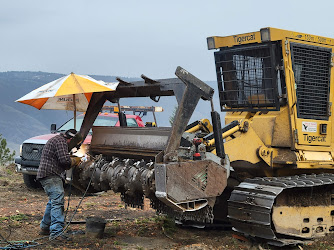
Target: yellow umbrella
{"points": [[71, 92]]}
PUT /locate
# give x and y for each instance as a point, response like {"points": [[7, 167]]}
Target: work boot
{"points": [[63, 238], [44, 231]]}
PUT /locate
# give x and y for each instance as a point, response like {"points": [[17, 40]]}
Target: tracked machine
{"points": [[269, 171]]}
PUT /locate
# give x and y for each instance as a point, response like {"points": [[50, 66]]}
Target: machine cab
{"points": [[273, 70]]}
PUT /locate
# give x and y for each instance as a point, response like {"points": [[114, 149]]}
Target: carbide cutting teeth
{"points": [[134, 179], [114, 162]]}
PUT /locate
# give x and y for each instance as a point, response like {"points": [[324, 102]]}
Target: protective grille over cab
{"points": [[248, 77], [311, 67]]}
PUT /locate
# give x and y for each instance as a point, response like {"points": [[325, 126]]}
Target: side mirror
{"points": [[53, 128]]}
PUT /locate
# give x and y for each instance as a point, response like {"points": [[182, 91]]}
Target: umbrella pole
{"points": [[75, 112]]}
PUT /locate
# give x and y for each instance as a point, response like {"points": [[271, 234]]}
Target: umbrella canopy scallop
{"points": [[71, 92]]}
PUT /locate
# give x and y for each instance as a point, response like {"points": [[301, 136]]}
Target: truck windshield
{"points": [[105, 121]]}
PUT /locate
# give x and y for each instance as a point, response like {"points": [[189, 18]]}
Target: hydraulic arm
{"points": [[158, 162]]}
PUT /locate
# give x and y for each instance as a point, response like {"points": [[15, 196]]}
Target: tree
{"points": [[5, 155], [171, 118]]}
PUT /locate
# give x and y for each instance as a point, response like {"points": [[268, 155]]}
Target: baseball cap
{"points": [[69, 134]]}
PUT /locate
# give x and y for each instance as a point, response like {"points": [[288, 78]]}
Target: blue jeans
{"points": [[53, 218]]}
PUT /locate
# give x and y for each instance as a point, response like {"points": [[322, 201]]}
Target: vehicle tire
{"points": [[31, 182]]}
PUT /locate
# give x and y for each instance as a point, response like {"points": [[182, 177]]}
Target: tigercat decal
{"points": [[244, 38], [310, 138]]}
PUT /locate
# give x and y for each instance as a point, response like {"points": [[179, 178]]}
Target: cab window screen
{"points": [[311, 67], [247, 77]]}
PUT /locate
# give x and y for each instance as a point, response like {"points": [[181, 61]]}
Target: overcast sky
{"points": [[129, 38]]}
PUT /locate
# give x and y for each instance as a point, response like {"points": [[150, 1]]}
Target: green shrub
{"points": [[5, 155]]}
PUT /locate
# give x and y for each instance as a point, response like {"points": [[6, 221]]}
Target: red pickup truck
{"points": [[31, 149]]}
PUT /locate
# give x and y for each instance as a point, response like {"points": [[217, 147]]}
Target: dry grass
{"points": [[21, 211]]}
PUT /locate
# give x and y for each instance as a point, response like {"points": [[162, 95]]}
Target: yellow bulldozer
{"points": [[268, 171]]}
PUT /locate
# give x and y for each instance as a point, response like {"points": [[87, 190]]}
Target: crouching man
{"points": [[55, 160]]}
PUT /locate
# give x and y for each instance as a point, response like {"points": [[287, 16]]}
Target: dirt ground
{"points": [[21, 211]]}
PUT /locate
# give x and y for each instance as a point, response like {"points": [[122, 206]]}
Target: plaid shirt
{"points": [[55, 158]]}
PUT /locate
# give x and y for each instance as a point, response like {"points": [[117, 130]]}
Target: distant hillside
{"points": [[19, 122]]}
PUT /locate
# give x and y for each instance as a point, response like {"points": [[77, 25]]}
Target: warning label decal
{"points": [[309, 126]]}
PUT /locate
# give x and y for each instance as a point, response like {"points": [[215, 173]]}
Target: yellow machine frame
{"points": [[277, 136]]}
